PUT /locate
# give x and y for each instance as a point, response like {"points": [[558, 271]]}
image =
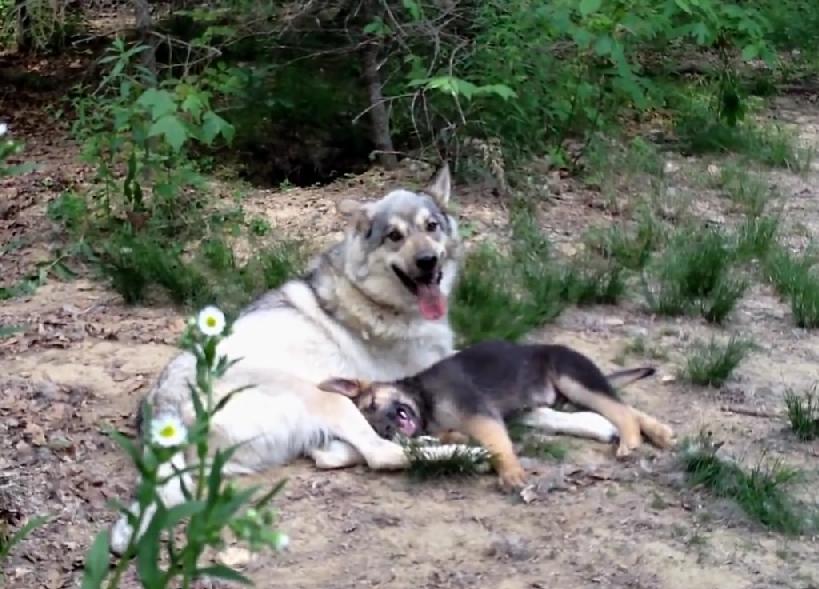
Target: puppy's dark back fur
{"points": [[499, 379]]}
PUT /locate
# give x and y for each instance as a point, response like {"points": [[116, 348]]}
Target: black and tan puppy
{"points": [[475, 390]]}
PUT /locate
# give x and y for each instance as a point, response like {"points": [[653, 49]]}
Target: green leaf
{"points": [[265, 499], [96, 562], [603, 46], [413, 9], [193, 104], [588, 7], [213, 125], [172, 129], [179, 512], [220, 571], [750, 52], [160, 102], [7, 544]]}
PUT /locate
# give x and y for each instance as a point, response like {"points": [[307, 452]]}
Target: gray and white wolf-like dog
{"points": [[374, 307]]}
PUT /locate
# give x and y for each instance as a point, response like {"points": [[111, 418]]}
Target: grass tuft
{"points": [[633, 249], [504, 296], [795, 279], [760, 492], [712, 363], [134, 263], [747, 191], [755, 238], [803, 414], [694, 275]]}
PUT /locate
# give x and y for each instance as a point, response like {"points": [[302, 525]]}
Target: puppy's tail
{"points": [[622, 378]]}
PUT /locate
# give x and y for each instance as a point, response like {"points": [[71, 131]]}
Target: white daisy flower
{"points": [[4, 128], [168, 432], [211, 321]]}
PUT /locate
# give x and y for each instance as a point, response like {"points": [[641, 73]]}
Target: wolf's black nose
{"points": [[426, 262]]}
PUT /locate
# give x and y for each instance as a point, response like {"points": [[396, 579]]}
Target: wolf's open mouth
{"points": [[431, 301]]}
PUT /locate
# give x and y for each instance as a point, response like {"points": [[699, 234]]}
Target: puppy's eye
{"points": [[395, 235], [432, 226], [402, 413]]}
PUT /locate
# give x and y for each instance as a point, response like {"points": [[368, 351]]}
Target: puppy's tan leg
{"points": [[621, 415], [345, 421], [660, 434], [492, 435]]}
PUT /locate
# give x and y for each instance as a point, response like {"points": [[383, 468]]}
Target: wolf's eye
{"points": [[395, 235], [432, 226]]}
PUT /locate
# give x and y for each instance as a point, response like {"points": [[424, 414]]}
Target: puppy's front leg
{"points": [[492, 434]]}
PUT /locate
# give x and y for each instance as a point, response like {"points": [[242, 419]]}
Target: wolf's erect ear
{"points": [[344, 386], [349, 206], [358, 213], [440, 187]]}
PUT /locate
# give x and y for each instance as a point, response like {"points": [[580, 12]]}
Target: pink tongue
{"points": [[431, 302]]}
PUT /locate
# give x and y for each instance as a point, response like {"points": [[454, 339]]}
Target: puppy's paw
{"points": [[623, 450], [512, 477]]}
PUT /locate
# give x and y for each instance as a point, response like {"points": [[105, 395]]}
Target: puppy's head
{"points": [[387, 408], [403, 250]]}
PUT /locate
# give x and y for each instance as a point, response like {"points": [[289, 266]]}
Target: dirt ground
{"points": [[81, 359]]}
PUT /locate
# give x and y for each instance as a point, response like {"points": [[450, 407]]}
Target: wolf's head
{"points": [[402, 250]]}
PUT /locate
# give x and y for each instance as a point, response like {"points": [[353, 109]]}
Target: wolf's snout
{"points": [[426, 262]]}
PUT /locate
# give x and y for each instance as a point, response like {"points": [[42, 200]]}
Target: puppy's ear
{"points": [[344, 386], [440, 187]]}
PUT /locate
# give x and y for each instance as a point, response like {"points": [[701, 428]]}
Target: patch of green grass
{"points": [[593, 284], [259, 226], [700, 131], [542, 448], [631, 249], [506, 295], [134, 264], [760, 492], [747, 191], [639, 346], [694, 274], [712, 363], [803, 414], [486, 305], [796, 280], [755, 237]]}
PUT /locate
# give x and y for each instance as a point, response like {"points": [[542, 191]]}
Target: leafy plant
{"points": [[212, 505]]}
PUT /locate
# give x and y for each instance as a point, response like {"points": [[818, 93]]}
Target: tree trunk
{"points": [[145, 26], [25, 39], [379, 116]]}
